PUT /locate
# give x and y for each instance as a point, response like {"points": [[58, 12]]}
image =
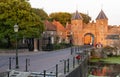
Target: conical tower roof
{"points": [[76, 16], [101, 15]]}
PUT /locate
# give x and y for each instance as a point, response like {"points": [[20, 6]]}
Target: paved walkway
{"points": [[20, 51], [23, 51], [38, 60]]}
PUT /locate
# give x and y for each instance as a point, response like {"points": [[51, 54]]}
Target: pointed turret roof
{"points": [[101, 15], [76, 16]]}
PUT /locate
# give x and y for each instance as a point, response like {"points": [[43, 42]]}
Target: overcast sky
{"points": [[93, 7]]}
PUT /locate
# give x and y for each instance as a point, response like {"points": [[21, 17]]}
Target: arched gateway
{"points": [[88, 39], [90, 33], [77, 32]]}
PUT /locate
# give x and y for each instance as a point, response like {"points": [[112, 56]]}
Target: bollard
{"points": [[9, 63], [64, 66], [68, 65], [26, 65], [44, 73], [8, 73], [73, 62], [56, 70]]}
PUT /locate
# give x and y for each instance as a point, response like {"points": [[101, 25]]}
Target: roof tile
{"points": [[49, 26], [101, 15], [76, 16]]}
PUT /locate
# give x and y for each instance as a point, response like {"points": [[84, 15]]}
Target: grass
{"points": [[112, 60], [115, 60], [96, 76]]}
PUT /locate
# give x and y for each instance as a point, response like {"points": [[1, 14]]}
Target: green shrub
{"points": [[3, 43], [61, 46]]}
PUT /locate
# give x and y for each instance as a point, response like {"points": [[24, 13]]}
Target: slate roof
{"points": [[101, 15], [77, 16]]}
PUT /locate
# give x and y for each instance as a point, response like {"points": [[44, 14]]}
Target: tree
{"points": [[85, 17], [62, 17], [41, 13], [18, 12]]}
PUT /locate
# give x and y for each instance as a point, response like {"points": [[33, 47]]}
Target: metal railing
{"points": [[65, 66]]}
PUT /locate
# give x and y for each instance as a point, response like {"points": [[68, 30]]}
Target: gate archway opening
{"points": [[88, 39]]}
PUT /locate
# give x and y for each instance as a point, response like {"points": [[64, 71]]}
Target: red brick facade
{"points": [[91, 33]]}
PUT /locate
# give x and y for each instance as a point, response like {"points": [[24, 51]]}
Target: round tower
{"points": [[76, 28], [101, 28]]}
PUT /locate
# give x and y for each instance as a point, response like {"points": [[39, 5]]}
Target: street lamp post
{"points": [[16, 27]]}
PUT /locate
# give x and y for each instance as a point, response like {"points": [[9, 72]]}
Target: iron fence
{"points": [[65, 67]]}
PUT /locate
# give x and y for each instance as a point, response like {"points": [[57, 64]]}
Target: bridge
{"points": [[70, 62]]}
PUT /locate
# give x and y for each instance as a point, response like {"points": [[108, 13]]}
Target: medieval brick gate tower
{"points": [[79, 33], [91, 33]]}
